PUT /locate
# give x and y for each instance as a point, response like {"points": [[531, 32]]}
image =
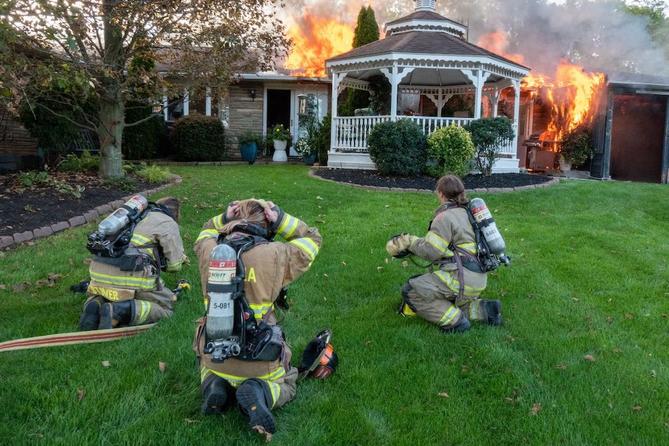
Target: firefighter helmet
{"points": [[319, 359]]}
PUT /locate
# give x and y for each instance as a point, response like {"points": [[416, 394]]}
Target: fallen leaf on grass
{"points": [[162, 366], [589, 358], [21, 287], [405, 264], [189, 421], [379, 268], [653, 374], [443, 394], [637, 408], [106, 364], [319, 197], [536, 408], [81, 393], [609, 320], [325, 275], [343, 263], [629, 316], [561, 366], [3, 287]]}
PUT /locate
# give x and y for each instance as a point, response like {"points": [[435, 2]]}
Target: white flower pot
{"points": [[565, 166], [280, 155]]}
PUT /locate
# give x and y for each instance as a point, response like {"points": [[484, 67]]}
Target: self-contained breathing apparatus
{"points": [[231, 328], [110, 242]]}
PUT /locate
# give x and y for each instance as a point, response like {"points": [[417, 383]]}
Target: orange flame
{"points": [[316, 39], [571, 93]]}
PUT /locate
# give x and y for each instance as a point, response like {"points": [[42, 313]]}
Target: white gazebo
{"points": [[428, 61]]}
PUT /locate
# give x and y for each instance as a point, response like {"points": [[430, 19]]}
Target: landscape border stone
{"points": [[91, 216], [483, 190]]}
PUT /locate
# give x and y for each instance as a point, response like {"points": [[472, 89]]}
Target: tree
{"points": [[105, 52], [366, 31], [658, 23]]}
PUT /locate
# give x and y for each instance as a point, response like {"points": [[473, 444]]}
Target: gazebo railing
{"points": [[351, 132]]}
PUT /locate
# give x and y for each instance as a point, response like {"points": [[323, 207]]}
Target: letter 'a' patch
{"points": [[251, 276]]}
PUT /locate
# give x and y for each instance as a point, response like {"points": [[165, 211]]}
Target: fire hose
{"points": [[83, 337]]}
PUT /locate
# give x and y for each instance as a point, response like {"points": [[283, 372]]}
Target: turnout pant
{"points": [[435, 296]]}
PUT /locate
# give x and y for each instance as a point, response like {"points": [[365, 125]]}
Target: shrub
{"points": [[83, 163], [142, 141], [34, 178], [250, 137], [154, 174], [450, 150], [489, 135], [199, 138], [280, 133], [321, 140], [578, 146], [125, 184], [398, 148]]}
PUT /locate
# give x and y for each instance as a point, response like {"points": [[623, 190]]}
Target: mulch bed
{"points": [[373, 178], [24, 209]]}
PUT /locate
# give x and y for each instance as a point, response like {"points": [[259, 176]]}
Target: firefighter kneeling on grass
{"points": [[462, 244], [240, 348], [130, 248]]}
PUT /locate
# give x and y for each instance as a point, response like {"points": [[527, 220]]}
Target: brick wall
{"points": [[246, 114]]}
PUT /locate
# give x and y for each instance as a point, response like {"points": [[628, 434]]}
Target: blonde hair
{"points": [[249, 211]]}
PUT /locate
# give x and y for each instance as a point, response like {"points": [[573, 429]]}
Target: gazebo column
{"points": [[395, 75], [337, 79], [516, 111], [478, 78], [440, 100]]}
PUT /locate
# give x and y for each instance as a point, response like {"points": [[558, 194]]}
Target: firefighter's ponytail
{"points": [[453, 189]]}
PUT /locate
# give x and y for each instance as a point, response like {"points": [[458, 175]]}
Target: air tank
{"points": [[220, 292], [486, 222], [118, 219]]}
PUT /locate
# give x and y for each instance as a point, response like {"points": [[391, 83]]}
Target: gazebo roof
{"points": [[421, 42], [422, 15]]}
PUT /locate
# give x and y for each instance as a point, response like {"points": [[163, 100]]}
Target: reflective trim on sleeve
{"points": [[306, 245], [207, 233], [438, 243], [174, 266], [454, 285], [218, 221], [140, 240], [288, 226], [469, 247], [260, 310], [143, 283], [450, 316]]}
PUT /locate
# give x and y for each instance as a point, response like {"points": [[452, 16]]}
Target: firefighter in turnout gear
{"points": [[257, 386], [449, 295], [122, 296]]}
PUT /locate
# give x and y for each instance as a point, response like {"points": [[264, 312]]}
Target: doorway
{"points": [[637, 139], [278, 109]]}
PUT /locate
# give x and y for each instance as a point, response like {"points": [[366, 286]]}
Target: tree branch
{"points": [[67, 118]]}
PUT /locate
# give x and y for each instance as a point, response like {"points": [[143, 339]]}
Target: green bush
{"points": [[450, 150], [199, 138], [125, 184], [250, 137], [34, 178], [83, 163], [578, 146], [154, 174], [321, 140], [489, 135], [142, 141], [398, 148]]}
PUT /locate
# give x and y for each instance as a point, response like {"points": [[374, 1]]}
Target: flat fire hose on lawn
{"points": [[82, 337], [79, 337]]}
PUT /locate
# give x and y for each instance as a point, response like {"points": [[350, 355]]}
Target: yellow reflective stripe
{"points": [[276, 391], [140, 240], [449, 317], [469, 247], [288, 226], [259, 310], [218, 221], [144, 308], [147, 283], [207, 233], [174, 266], [454, 285], [437, 242], [308, 246], [237, 380]]}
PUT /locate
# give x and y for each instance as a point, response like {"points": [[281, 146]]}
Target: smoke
{"points": [[596, 34]]}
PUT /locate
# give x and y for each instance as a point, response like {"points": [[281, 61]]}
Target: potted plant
{"points": [[280, 137], [248, 146], [576, 148], [305, 149]]}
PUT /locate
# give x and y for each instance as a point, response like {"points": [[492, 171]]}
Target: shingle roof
{"points": [[434, 43], [423, 15], [638, 79]]}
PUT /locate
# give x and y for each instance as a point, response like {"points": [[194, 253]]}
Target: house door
{"points": [[279, 108], [637, 137], [310, 109]]}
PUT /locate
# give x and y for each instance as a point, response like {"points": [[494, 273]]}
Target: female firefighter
{"points": [[258, 386], [448, 296]]}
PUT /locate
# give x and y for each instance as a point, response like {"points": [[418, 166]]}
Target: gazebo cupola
{"points": [[437, 78]]}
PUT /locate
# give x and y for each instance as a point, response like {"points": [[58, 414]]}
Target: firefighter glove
{"points": [[399, 245]]}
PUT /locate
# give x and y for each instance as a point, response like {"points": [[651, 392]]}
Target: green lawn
{"points": [[589, 277]]}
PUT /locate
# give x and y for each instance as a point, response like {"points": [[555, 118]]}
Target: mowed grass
{"points": [[582, 357]]}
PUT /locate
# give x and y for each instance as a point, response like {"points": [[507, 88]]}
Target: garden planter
{"points": [[249, 152], [280, 155], [565, 166], [310, 159]]}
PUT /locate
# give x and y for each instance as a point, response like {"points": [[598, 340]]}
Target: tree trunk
{"points": [[110, 134]]}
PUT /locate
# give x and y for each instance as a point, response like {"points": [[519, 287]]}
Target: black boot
{"points": [[493, 310], [217, 395], [462, 326], [90, 317], [255, 401], [114, 314]]}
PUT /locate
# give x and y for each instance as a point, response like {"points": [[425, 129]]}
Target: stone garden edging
{"points": [[12, 241], [481, 190]]}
